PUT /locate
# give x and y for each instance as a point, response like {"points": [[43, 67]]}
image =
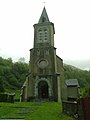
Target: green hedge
{"points": [[3, 97]]}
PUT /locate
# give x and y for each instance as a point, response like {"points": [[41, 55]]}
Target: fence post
{"points": [[86, 107]]}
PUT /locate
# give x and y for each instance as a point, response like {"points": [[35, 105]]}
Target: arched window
{"points": [[40, 35], [45, 34]]}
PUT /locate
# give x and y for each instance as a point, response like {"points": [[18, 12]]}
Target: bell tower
{"points": [[42, 56], [46, 68], [44, 31]]}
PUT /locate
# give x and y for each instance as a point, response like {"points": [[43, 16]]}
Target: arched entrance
{"points": [[43, 91], [43, 85]]}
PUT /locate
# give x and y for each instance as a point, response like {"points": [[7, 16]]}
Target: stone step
{"points": [[10, 119], [4, 118]]}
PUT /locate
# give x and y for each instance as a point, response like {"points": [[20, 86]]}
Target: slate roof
{"points": [[44, 16], [72, 82]]}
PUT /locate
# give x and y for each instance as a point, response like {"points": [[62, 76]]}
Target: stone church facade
{"points": [[45, 79]]}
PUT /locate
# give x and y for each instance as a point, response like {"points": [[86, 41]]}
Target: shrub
{"points": [[3, 97], [86, 91]]}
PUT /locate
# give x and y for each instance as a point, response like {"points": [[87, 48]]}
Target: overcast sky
{"points": [[70, 17]]}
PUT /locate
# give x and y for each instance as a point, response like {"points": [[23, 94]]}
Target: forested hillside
{"points": [[12, 75], [83, 77]]}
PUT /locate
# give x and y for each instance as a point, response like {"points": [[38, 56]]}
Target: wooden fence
{"points": [[86, 108]]}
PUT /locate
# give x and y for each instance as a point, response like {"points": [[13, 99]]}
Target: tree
{"points": [[1, 85], [86, 91]]}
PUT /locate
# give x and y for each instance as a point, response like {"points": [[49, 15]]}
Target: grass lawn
{"points": [[32, 111]]}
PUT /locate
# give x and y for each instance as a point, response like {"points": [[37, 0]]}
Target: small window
{"points": [[45, 38], [40, 31], [38, 52], [47, 52], [45, 30], [45, 35]]}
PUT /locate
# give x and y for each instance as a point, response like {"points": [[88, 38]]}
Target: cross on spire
{"points": [[44, 3]]}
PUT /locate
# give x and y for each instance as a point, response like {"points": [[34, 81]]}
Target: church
{"points": [[45, 80]]}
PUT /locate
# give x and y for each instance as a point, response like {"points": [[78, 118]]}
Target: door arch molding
{"points": [[48, 83]]}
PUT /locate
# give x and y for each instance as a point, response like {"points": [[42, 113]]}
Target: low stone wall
{"points": [[70, 108], [79, 110]]}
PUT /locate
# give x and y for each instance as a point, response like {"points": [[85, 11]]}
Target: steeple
{"points": [[44, 16], [45, 78]]}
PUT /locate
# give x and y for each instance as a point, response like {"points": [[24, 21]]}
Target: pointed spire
{"points": [[44, 16]]}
